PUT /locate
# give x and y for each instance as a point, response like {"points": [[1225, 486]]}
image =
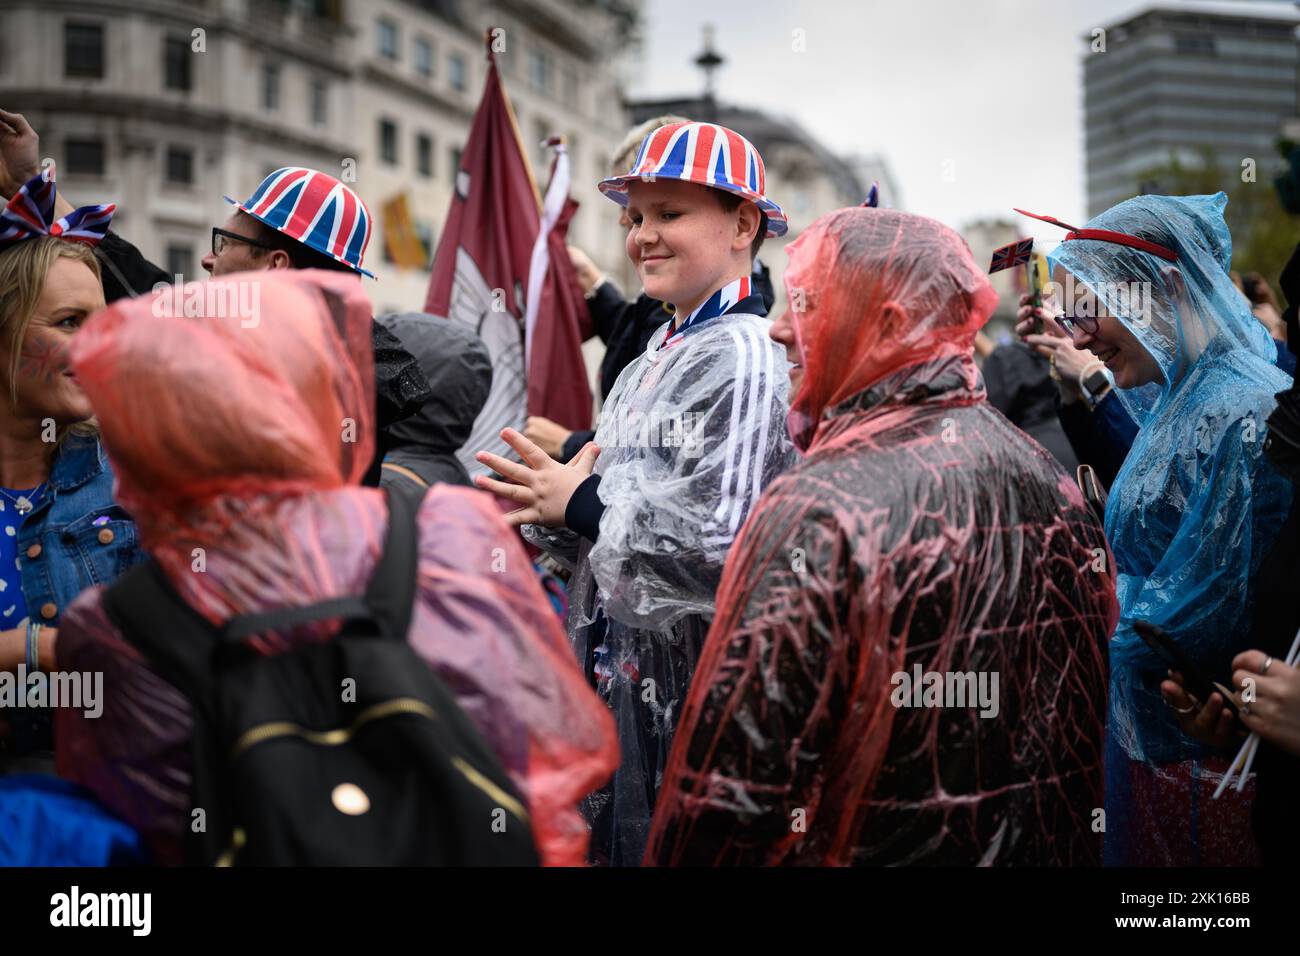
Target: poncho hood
{"points": [[459, 370], [1180, 311], [872, 292]]}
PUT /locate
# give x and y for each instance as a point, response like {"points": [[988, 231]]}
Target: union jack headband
{"points": [[1106, 235], [30, 214]]}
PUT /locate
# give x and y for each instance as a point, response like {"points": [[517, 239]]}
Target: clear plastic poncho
{"points": [[689, 437], [1191, 514], [238, 438], [922, 530]]}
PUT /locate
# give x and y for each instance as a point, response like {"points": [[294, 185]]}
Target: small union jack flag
{"points": [[30, 213], [1013, 254]]}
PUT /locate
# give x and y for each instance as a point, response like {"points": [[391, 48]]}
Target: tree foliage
{"points": [[1264, 234]]}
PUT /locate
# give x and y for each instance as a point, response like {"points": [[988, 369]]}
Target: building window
{"points": [[569, 88], [319, 102], [539, 71], [270, 87], [176, 64], [425, 231], [424, 154], [83, 50], [1194, 43], [424, 57], [456, 72], [388, 141], [541, 133], [180, 165], [456, 153], [180, 258], [85, 157], [386, 31]]}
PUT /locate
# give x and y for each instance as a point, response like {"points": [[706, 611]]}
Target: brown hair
{"points": [[301, 255], [731, 202], [621, 159]]}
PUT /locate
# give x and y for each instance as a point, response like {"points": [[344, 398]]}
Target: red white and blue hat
{"points": [[705, 154], [316, 209]]}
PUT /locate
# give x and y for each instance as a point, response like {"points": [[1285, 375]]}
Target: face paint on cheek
{"points": [[43, 359]]}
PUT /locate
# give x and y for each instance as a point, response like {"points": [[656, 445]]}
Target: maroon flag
{"points": [[557, 319], [481, 277]]}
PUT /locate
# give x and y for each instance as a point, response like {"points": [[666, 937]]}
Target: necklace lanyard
{"points": [[24, 503], [712, 307]]}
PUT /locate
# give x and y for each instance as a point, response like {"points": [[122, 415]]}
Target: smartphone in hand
{"points": [[1197, 684]]}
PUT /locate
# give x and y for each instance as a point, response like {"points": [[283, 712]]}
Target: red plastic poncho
{"points": [[237, 437], [922, 538]]}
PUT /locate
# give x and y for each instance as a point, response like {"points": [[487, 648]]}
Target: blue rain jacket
{"points": [[1196, 505]]}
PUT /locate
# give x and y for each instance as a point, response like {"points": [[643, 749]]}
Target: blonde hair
{"points": [[23, 270], [622, 157]]}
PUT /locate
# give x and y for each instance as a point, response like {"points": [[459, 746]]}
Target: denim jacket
{"points": [[62, 551]]}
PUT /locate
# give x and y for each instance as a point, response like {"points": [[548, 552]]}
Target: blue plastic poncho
{"points": [[1192, 511]]}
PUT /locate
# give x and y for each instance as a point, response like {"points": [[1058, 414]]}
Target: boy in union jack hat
{"points": [[691, 433]]}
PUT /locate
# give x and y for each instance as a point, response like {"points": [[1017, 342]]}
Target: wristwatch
{"points": [[1094, 382]]}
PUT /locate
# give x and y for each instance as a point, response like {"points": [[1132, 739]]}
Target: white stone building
{"points": [[165, 106]]}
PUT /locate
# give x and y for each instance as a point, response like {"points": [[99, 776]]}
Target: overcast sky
{"points": [[994, 86]]}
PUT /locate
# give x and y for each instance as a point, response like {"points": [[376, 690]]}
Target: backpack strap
{"points": [[390, 595], [405, 472], [182, 645], [177, 640]]}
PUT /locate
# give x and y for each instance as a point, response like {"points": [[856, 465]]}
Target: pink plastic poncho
{"points": [[921, 537], [237, 437]]}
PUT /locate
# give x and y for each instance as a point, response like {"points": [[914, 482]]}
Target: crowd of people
{"points": [[818, 589]]}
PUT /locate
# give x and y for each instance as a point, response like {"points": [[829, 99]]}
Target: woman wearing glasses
{"points": [[1192, 511], [60, 531]]}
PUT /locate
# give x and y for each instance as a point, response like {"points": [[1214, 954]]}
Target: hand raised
{"points": [[540, 485], [20, 153]]}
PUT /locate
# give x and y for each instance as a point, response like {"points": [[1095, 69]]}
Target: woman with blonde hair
{"points": [[60, 531]]}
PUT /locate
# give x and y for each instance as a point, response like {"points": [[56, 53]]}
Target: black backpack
{"points": [[289, 772]]}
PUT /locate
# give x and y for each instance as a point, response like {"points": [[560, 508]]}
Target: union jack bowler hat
{"points": [[705, 154], [316, 209]]}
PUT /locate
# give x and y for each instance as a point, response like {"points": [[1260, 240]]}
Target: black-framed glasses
{"points": [[220, 237], [1084, 323]]}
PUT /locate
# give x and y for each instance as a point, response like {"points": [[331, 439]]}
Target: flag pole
{"points": [[510, 112]]}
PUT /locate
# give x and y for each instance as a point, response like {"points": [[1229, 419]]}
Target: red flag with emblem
{"points": [[481, 276]]}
